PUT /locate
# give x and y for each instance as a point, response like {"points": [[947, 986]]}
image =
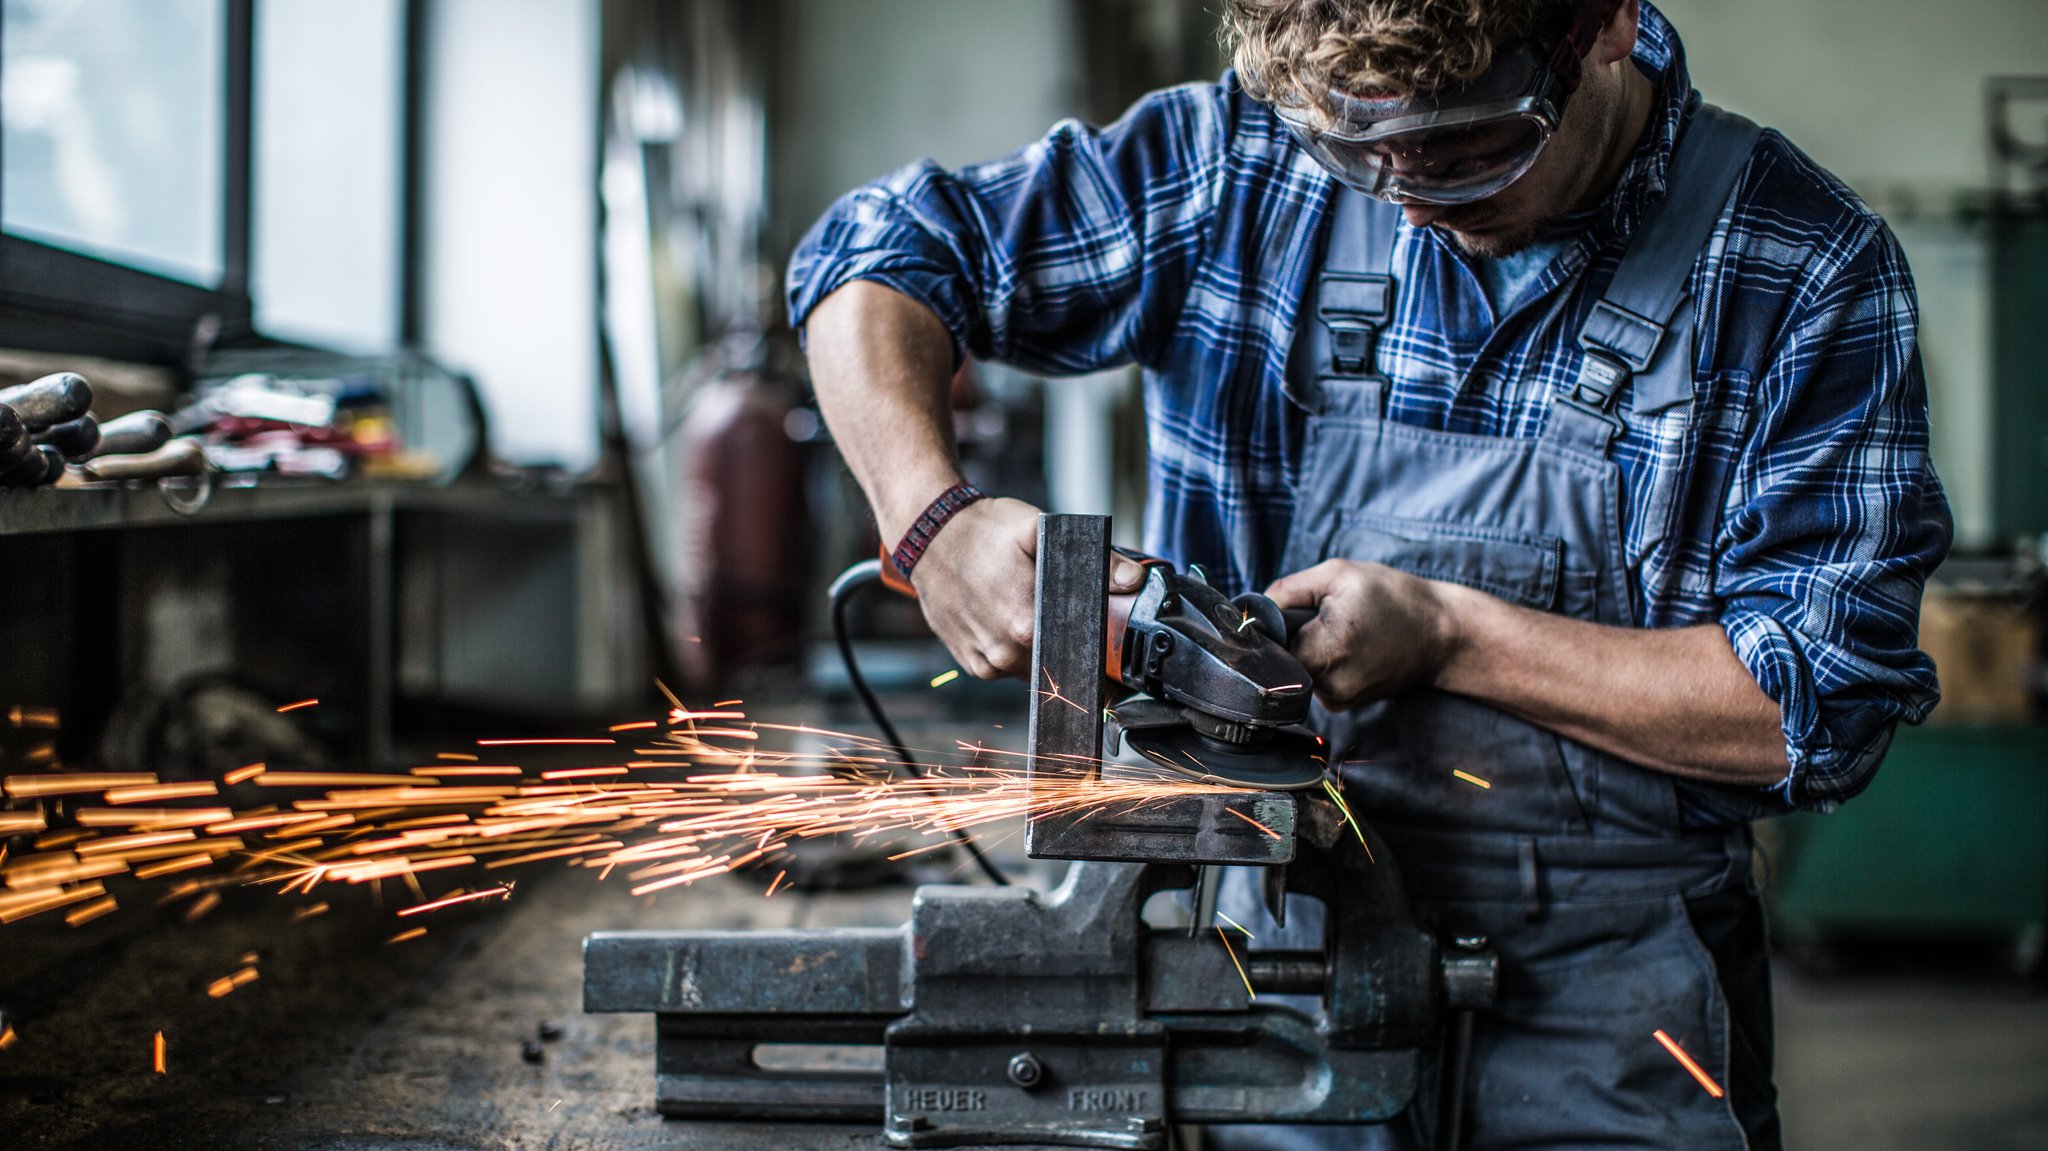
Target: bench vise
{"points": [[1009, 1016]]}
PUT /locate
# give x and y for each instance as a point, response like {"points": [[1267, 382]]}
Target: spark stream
{"points": [[698, 800]]}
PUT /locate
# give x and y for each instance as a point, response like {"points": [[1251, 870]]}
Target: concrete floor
{"points": [[346, 1044], [1927, 1056]]}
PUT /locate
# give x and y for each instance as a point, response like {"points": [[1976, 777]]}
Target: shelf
{"points": [[189, 501]]}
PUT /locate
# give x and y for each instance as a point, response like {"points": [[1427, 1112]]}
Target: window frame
{"points": [[60, 301]]}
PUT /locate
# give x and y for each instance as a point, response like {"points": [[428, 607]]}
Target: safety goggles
{"points": [[1452, 146]]}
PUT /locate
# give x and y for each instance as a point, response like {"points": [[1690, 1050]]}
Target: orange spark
{"points": [[1678, 1053], [84, 914], [7, 1036], [21, 822], [1234, 923], [1474, 780], [245, 772], [946, 677], [152, 817], [1337, 797], [775, 883], [1232, 952], [640, 726], [201, 906], [156, 1059], [227, 983], [118, 843], [582, 772], [21, 716], [465, 897], [401, 937], [308, 912], [73, 783], [1054, 694], [173, 866], [21, 905], [455, 755], [161, 791], [299, 705], [542, 742], [1255, 823]]}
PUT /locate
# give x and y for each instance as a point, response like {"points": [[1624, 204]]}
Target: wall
{"points": [[510, 231], [1889, 95], [870, 85]]}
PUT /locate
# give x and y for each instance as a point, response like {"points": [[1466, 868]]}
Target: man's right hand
{"points": [[976, 582]]}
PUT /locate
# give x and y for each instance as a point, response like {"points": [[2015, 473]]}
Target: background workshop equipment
{"points": [[430, 718]]}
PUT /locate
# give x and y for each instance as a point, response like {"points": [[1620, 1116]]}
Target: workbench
{"points": [[365, 595]]}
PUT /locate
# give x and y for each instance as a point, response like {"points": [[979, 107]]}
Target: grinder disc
{"points": [[1285, 761]]}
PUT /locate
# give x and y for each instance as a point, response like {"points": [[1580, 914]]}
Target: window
{"points": [[112, 116], [329, 103], [202, 168]]}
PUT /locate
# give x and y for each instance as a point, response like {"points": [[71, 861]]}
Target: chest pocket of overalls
{"points": [[1521, 569]]}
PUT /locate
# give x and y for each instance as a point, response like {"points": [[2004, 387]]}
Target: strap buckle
{"points": [[1601, 379], [1354, 307], [1595, 395]]}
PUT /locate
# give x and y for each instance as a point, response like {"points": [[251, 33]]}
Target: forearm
{"points": [[1675, 699], [881, 364]]}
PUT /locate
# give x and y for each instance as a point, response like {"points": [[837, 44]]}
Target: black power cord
{"points": [[849, 584]]}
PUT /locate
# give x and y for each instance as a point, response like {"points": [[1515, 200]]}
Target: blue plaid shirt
{"points": [[1792, 502]]}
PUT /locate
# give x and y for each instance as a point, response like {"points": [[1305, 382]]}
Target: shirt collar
{"points": [[1661, 57]]}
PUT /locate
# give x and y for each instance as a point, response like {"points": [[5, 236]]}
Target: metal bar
{"points": [[1068, 654]]}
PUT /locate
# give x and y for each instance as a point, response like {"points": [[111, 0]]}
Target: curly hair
{"points": [[1294, 52]]}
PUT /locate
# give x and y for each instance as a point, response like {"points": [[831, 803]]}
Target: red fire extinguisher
{"points": [[741, 568]]}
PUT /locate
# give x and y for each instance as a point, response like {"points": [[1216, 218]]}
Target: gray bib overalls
{"points": [[1575, 864]]}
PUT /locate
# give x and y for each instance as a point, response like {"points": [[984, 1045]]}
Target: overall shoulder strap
{"points": [[1627, 326], [1355, 289]]}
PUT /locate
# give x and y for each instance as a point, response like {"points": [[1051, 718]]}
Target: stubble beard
{"points": [[1501, 244]]}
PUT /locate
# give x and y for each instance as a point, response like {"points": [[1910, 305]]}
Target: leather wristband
{"points": [[928, 523]]}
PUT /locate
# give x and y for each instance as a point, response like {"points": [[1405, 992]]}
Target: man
{"points": [[1589, 419]]}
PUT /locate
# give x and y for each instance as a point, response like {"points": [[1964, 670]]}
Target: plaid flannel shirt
{"points": [[1792, 501]]}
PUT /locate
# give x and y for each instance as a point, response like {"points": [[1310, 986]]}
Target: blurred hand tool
{"points": [[76, 439], [132, 434], [15, 444], [56, 398], [42, 466], [179, 457]]}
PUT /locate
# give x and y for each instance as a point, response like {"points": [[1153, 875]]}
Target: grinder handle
{"points": [[1118, 616]]}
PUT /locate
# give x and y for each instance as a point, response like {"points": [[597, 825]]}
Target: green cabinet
{"points": [[1950, 839]]}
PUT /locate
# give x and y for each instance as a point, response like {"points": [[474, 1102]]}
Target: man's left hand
{"points": [[1377, 631]]}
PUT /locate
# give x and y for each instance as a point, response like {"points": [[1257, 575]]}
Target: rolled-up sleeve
{"points": [[1068, 256], [1834, 521]]}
